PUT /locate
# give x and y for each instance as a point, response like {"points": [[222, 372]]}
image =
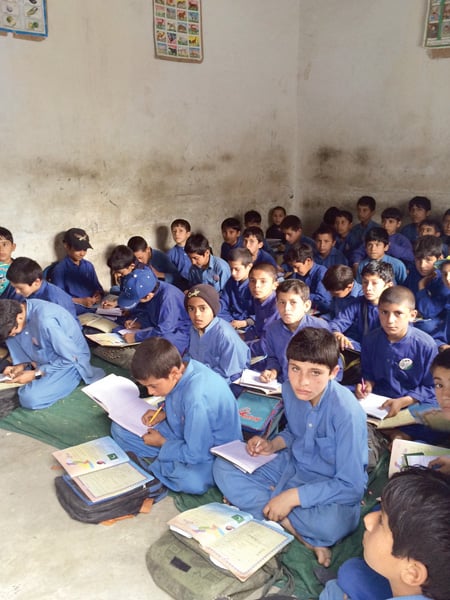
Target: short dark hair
{"points": [[299, 253], [252, 216], [294, 286], [441, 360], [5, 234], [392, 212], [24, 270], [416, 502], [428, 245], [432, 223], [137, 243], [254, 231], [330, 215], [381, 269], [154, 357], [9, 310], [291, 222], [367, 201], [338, 277], [231, 223], [420, 202], [181, 223], [277, 208], [197, 243], [398, 294], [447, 213], [346, 214], [121, 257], [377, 234], [323, 229], [314, 345], [242, 255], [266, 267]]}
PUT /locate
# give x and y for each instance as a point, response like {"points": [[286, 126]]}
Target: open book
{"points": [[232, 538], [114, 340], [97, 322], [119, 397], [251, 379], [403, 451], [101, 469], [236, 453], [378, 416]]}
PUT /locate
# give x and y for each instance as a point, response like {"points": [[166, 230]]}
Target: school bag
{"points": [[178, 566], [81, 508], [260, 414]]}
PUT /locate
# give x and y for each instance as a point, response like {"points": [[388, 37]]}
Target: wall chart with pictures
{"points": [[177, 29], [25, 17], [437, 26]]}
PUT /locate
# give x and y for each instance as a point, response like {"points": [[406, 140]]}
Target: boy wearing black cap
{"points": [[75, 275], [213, 341]]}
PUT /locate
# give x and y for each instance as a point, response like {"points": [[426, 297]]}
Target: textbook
{"points": [[114, 340], [377, 415], [233, 539], [236, 453], [119, 397], [97, 322], [251, 379], [101, 469], [402, 450]]}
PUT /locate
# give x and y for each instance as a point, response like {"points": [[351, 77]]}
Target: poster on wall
{"points": [[437, 26], [25, 17], [177, 30]]}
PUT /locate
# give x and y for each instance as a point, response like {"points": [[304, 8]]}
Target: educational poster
{"points": [[26, 17], [437, 26], [177, 29]]}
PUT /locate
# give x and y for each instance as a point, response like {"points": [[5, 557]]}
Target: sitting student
{"points": [[205, 268], [314, 486], [301, 260], [26, 277], [213, 341], [343, 225], [396, 358], [181, 230], [274, 232], [75, 275], [293, 304], [292, 229], [442, 337], [122, 262], [156, 309], [253, 240], [419, 208], [339, 282], [231, 233], [440, 369], [431, 226], [48, 351], [399, 245], [7, 247], [377, 245], [236, 301], [262, 285], [360, 316], [252, 218], [200, 412], [395, 565], [326, 253], [446, 227], [365, 209], [329, 216], [156, 260]]}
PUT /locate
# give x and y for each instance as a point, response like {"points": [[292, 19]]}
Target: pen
{"points": [[152, 420], [132, 323], [363, 385]]}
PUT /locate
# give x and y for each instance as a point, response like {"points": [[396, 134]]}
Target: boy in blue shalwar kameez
{"points": [[314, 486], [200, 412]]}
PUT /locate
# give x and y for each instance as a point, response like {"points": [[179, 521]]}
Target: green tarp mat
{"points": [[70, 421]]}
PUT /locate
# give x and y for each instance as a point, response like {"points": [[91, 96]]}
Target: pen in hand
{"points": [[155, 414]]}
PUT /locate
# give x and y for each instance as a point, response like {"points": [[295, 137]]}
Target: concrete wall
{"points": [[97, 133], [373, 106]]}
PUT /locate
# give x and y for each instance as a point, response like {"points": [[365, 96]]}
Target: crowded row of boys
{"points": [[298, 309]]}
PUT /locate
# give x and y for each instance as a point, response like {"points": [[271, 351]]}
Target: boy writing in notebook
{"points": [[314, 486]]}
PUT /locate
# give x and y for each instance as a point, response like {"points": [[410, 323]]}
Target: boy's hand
{"points": [[426, 280], [132, 324], [442, 463], [268, 375], [363, 389], [154, 438], [23, 377], [395, 405], [238, 324], [130, 338], [109, 304], [14, 371], [147, 417], [343, 341], [259, 445], [280, 506]]}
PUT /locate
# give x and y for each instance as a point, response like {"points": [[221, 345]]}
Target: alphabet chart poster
{"points": [[437, 26], [25, 17], [177, 29]]}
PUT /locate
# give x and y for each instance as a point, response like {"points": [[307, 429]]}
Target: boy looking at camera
{"points": [[236, 301]]}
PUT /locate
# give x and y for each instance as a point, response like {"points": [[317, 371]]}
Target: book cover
{"points": [[95, 455], [97, 322]]}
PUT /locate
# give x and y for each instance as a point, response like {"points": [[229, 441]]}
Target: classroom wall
{"points": [[97, 133], [373, 106]]}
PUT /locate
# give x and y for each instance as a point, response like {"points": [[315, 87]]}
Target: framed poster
{"points": [[437, 25], [25, 17], [177, 30]]}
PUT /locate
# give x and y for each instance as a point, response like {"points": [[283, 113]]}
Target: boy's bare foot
{"points": [[323, 553]]}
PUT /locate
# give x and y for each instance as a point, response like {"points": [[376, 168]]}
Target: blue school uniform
{"points": [[264, 257], [181, 260], [265, 313], [410, 231], [162, 263], [320, 297], [79, 281], [339, 304], [399, 268], [343, 245], [356, 320], [277, 338], [52, 293], [325, 459], [166, 315], [358, 232], [220, 348], [216, 273], [236, 301], [430, 302], [201, 412], [9, 293], [400, 247], [336, 257], [51, 338], [400, 368], [226, 248]]}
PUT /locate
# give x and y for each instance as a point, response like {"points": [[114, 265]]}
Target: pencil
{"points": [[152, 420]]}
